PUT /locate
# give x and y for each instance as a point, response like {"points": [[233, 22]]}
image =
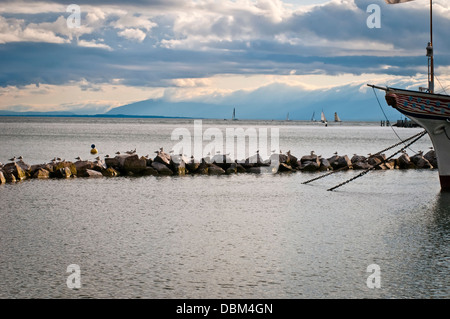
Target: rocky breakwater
{"points": [[164, 164]]}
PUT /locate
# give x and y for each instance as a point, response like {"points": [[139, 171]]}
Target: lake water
{"points": [[240, 236]]}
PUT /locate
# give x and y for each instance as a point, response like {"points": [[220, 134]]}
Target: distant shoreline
{"points": [[123, 116]]}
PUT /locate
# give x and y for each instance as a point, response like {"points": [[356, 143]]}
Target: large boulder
{"points": [[162, 158], [192, 165], [63, 172], [310, 166], [178, 165], [376, 159], [110, 172], [431, 157], [223, 161], [15, 170], [41, 173], [202, 168], [113, 162], [24, 166], [341, 162], [404, 162], [134, 164], [162, 169], [325, 165], [9, 177], [90, 173], [2, 178], [65, 164], [420, 162], [361, 165], [358, 159], [215, 170]]}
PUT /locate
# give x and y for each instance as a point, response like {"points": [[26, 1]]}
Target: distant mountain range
{"points": [[271, 102]]}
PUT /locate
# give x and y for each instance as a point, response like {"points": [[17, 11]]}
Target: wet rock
{"points": [[240, 168], [162, 169], [41, 173], [90, 173], [215, 170], [192, 165], [431, 157], [2, 178], [325, 165], [178, 165], [65, 164], [162, 158], [202, 168], [24, 166], [361, 165], [84, 165], [134, 164], [110, 172], [358, 159], [113, 162], [420, 162], [15, 170], [341, 162], [311, 166], [285, 168], [10, 178], [404, 162], [63, 172], [310, 158], [291, 160], [376, 159], [232, 169], [150, 171]]}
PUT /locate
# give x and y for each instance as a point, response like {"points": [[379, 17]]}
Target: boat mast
{"points": [[430, 53]]}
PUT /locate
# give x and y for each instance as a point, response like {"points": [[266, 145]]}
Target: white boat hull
{"points": [[432, 112]]}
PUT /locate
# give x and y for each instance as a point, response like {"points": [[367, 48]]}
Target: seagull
{"points": [[12, 159], [312, 153], [335, 153], [106, 156], [218, 152], [257, 152], [20, 158], [171, 152], [78, 158], [97, 158], [161, 149], [58, 159], [118, 153], [273, 151]]}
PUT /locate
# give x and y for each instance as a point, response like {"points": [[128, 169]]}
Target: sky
{"points": [[220, 52]]}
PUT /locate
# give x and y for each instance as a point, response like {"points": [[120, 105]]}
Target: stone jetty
{"points": [[163, 164]]}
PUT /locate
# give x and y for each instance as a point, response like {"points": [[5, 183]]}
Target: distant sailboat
{"points": [[313, 118], [323, 119], [234, 115], [287, 117], [336, 117]]}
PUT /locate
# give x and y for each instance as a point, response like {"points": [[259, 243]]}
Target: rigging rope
{"points": [[379, 164], [387, 120], [346, 167]]}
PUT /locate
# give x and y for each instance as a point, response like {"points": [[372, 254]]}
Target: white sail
{"points": [[336, 117], [323, 118]]}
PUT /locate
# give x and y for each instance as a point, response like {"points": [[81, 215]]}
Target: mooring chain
{"points": [[347, 167], [377, 165]]}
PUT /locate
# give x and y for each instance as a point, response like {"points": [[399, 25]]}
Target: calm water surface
{"points": [[242, 236]]}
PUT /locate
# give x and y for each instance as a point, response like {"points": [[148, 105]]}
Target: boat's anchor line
{"points": [[377, 165], [380, 152]]}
